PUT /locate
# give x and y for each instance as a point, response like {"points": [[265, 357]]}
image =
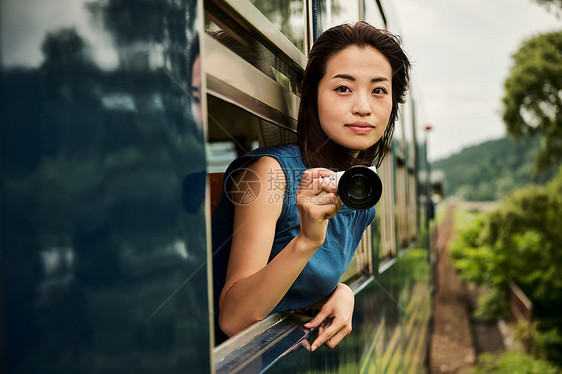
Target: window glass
{"points": [[409, 130], [392, 23], [330, 13], [232, 132], [256, 54], [406, 119], [386, 212], [401, 204], [398, 137], [362, 261], [288, 16], [373, 14]]}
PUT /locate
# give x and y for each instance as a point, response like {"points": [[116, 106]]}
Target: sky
{"points": [[461, 53]]}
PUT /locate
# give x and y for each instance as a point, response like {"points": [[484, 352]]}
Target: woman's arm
{"points": [[253, 286]]}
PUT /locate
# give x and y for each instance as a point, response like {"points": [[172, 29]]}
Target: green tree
{"points": [[532, 103]]}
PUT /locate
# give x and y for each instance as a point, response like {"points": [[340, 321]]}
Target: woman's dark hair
{"points": [[317, 149]]}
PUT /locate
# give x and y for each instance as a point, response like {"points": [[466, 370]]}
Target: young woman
{"points": [[281, 238]]}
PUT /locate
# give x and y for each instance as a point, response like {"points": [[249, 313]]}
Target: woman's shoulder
{"points": [[287, 157], [284, 151], [278, 165]]}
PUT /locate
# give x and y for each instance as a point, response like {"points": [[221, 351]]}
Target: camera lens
{"points": [[359, 188]]}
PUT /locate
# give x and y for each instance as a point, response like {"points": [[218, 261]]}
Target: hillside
{"points": [[490, 170]]}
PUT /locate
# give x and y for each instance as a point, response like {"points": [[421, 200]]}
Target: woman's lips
{"points": [[360, 128]]}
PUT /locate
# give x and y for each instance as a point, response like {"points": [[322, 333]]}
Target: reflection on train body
{"points": [[98, 139]]}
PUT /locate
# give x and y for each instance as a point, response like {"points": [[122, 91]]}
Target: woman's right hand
{"points": [[317, 202]]}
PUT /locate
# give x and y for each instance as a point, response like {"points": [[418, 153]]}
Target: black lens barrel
{"points": [[359, 188]]}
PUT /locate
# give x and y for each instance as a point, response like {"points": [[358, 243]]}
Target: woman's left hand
{"points": [[338, 308]]}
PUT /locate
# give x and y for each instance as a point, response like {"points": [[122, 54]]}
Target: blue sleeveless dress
{"points": [[323, 271]]}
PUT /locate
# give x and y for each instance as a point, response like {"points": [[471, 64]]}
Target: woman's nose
{"points": [[362, 105]]}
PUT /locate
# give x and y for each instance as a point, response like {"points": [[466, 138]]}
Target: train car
{"points": [[119, 118]]}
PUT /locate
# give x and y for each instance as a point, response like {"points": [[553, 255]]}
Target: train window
{"points": [[386, 230], [412, 205], [232, 132], [239, 27], [330, 13], [219, 154], [288, 16], [362, 261], [271, 134], [247, 108], [401, 203], [399, 138], [253, 101], [373, 14], [390, 18], [410, 131], [258, 56], [406, 117], [246, 86]]}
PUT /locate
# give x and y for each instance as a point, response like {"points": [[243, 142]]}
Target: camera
{"points": [[358, 187]]}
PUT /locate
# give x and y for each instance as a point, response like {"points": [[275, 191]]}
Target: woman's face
{"points": [[355, 97]]}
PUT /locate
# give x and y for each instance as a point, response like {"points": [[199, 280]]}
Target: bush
{"points": [[520, 242], [513, 363], [537, 340]]}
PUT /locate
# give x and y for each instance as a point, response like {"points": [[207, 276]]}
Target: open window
{"points": [[254, 61]]}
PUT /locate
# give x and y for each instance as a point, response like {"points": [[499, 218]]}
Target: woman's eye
{"points": [[343, 89], [379, 90]]}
